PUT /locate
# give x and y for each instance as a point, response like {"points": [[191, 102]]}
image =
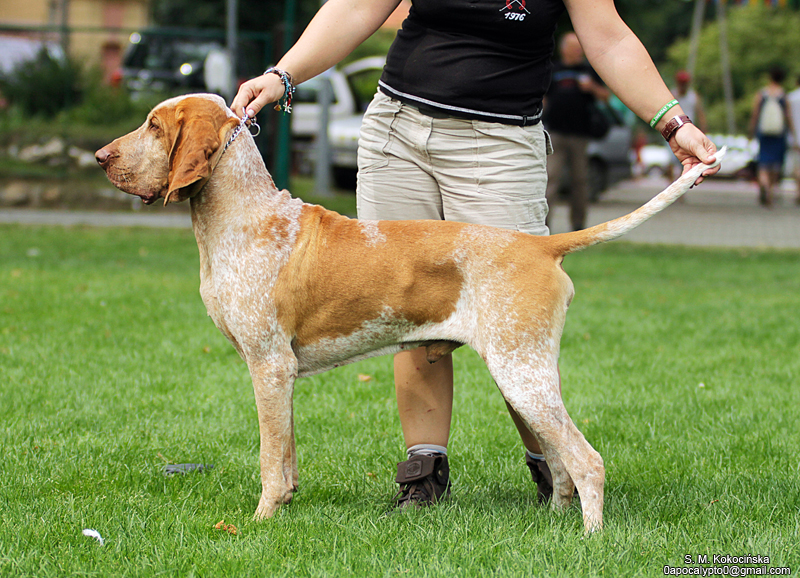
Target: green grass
{"points": [[680, 366]]}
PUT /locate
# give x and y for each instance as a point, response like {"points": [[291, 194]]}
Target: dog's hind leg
{"points": [[273, 383], [531, 387]]}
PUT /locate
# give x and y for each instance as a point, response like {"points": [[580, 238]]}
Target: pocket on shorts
{"points": [[375, 133], [510, 156], [512, 175]]}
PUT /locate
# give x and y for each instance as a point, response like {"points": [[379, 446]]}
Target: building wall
{"points": [[104, 48], [90, 42], [25, 13]]}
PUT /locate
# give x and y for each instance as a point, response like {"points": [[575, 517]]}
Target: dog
{"points": [[298, 289]]}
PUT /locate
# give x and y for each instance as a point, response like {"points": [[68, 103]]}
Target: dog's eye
{"points": [[153, 125]]}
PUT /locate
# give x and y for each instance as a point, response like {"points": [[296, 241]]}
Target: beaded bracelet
{"points": [[285, 102], [660, 114]]}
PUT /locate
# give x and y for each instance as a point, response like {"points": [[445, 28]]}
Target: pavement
{"points": [[95, 218], [717, 213]]}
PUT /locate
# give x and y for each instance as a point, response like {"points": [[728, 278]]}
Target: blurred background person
{"points": [[574, 88], [771, 124], [793, 99]]}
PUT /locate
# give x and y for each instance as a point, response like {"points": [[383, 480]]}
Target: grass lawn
{"points": [[680, 366]]}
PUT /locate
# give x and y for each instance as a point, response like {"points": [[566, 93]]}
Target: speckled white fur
{"points": [[372, 232], [247, 232]]}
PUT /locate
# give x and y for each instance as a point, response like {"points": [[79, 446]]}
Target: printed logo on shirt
{"points": [[515, 10]]}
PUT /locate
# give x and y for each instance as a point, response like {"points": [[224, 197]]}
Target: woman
{"points": [[771, 122], [453, 133]]}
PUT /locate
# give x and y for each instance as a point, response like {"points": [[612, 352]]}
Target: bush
{"points": [[55, 98], [103, 104], [43, 86]]}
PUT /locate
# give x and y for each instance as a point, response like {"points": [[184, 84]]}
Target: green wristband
{"points": [[660, 114]]}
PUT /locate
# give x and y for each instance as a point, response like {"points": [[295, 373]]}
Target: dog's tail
{"points": [[608, 231]]}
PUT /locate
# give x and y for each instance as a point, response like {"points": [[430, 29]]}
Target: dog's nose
{"points": [[102, 157]]}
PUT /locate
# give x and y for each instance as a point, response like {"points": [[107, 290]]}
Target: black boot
{"points": [[540, 472], [423, 480]]}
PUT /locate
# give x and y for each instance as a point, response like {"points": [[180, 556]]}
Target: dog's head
{"points": [[172, 155]]}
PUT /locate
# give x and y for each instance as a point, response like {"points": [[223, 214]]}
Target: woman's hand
{"points": [[692, 147], [256, 93]]}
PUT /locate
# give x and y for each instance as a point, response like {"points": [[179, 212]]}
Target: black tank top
{"points": [[479, 59]]}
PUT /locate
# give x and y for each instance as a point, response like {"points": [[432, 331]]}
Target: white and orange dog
{"points": [[299, 289]]}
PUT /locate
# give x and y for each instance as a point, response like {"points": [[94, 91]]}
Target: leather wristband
{"points": [[673, 125]]}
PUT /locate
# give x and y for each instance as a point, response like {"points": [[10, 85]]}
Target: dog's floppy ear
{"points": [[200, 130]]}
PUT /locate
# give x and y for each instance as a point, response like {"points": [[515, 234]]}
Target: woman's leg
{"points": [[395, 182], [424, 397], [502, 182]]}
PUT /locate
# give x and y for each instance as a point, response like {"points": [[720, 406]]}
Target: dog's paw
{"points": [[267, 506], [265, 511]]}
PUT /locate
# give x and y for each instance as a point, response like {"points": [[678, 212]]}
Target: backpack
{"points": [[771, 120]]}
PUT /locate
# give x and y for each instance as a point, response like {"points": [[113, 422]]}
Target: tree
{"points": [[254, 15], [657, 23], [759, 38]]}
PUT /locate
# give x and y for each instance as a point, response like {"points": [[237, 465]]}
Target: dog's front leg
{"points": [[273, 383], [295, 474]]}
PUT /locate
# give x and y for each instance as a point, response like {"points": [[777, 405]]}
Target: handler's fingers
{"points": [[690, 142], [259, 102], [248, 98], [692, 147], [256, 93], [242, 98]]}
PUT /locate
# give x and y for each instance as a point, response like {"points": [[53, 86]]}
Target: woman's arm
{"points": [[338, 27], [623, 63]]}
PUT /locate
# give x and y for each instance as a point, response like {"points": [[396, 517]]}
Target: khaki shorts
{"points": [[414, 166]]}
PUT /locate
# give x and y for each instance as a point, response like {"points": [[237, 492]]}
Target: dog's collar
{"points": [[236, 131], [242, 125]]}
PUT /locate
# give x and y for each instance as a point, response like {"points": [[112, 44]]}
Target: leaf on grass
{"points": [[229, 528]]}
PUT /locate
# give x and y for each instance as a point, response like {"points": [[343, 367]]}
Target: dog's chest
{"points": [[236, 284], [241, 255]]}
